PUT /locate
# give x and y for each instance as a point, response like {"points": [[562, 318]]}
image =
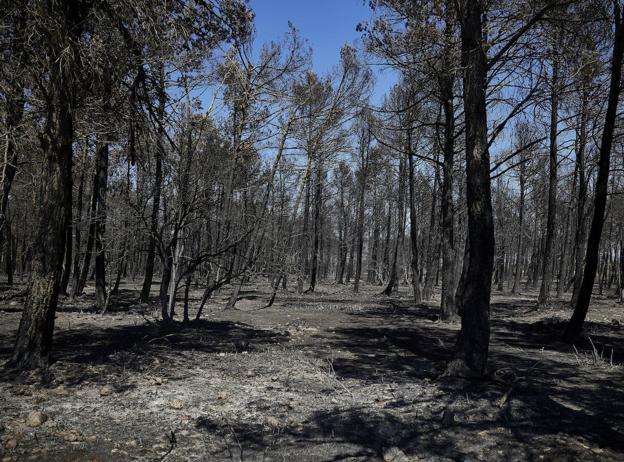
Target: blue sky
{"points": [[326, 25]]}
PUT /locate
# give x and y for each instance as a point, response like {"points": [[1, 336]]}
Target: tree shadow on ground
{"points": [[134, 348], [549, 394]]}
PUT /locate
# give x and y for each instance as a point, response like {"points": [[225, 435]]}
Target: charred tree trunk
{"points": [[318, 193], [580, 232], [34, 336], [448, 309], [548, 263], [364, 142], [474, 337], [519, 252], [575, 325], [394, 277], [156, 192], [413, 223], [100, 227]]}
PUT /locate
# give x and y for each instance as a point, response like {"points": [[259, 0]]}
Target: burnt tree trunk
{"points": [[548, 263], [394, 277], [575, 325], [471, 353], [33, 342], [413, 223], [156, 192]]}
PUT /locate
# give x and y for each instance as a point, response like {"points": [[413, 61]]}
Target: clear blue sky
{"points": [[326, 24]]}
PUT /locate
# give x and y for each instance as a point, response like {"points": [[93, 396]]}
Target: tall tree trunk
{"points": [[432, 255], [520, 248], [156, 192], [575, 325], [363, 174], [413, 223], [394, 278], [100, 226], [318, 192], [86, 264], [34, 336], [14, 104], [470, 359], [548, 263], [580, 231], [78, 225], [448, 309]]}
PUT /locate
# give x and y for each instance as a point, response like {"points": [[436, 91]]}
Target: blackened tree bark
{"points": [[580, 232], [77, 225], [100, 227], [34, 336], [447, 300], [362, 177], [318, 202], [519, 252], [101, 171], [14, 101], [413, 222], [86, 264], [575, 325], [471, 353], [448, 310], [547, 268], [14, 113], [156, 192], [394, 276], [67, 261]]}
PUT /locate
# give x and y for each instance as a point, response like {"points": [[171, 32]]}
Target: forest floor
{"points": [[317, 377]]}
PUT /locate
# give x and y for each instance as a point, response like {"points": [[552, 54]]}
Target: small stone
{"points": [[221, 354], [36, 418], [106, 390], [273, 421], [59, 391], [71, 436], [250, 373], [176, 404], [158, 380], [10, 443], [394, 454], [274, 378], [221, 396]]}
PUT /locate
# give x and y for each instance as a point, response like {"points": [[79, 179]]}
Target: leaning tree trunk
{"points": [[575, 325], [34, 336], [471, 353]]}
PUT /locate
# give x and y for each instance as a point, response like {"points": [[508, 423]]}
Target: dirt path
{"points": [[316, 377]]}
